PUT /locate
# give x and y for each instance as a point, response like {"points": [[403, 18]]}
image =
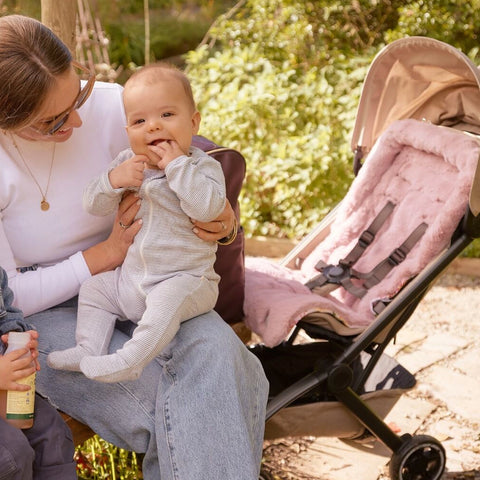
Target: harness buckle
{"points": [[336, 273]]}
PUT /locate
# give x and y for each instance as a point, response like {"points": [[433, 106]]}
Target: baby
{"points": [[167, 276]]}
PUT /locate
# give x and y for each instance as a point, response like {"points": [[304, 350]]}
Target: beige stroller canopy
{"points": [[421, 78]]}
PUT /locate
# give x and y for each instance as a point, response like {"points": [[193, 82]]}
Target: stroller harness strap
{"points": [[395, 258], [367, 236], [334, 276]]}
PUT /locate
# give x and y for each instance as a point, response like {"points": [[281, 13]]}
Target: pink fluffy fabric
{"points": [[427, 172]]}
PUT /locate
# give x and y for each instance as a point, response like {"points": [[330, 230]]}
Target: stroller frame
{"points": [[419, 456], [413, 457]]}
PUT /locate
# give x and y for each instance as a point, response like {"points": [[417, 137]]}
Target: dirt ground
{"points": [[449, 385]]}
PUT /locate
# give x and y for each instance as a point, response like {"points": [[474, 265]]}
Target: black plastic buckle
{"points": [[336, 273]]}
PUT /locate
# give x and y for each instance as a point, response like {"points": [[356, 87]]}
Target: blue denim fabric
{"points": [[197, 411]]}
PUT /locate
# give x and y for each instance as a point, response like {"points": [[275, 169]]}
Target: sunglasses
{"points": [[56, 123]]}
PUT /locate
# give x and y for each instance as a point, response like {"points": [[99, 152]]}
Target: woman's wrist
{"points": [[101, 258], [230, 238]]}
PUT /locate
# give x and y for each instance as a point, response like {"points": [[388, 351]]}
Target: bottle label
{"points": [[20, 405]]}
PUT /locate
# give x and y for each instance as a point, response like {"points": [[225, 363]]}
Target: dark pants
{"points": [[43, 452]]}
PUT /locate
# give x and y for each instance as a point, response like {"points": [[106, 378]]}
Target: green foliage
{"points": [[176, 26], [356, 26], [286, 104], [473, 250], [97, 459], [168, 39], [456, 22]]}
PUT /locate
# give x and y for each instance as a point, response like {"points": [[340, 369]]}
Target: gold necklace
{"points": [[44, 205]]}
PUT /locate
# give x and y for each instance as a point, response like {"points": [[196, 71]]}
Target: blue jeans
{"points": [[197, 411]]}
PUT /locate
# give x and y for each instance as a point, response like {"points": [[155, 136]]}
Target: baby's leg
{"points": [[168, 304], [97, 313]]}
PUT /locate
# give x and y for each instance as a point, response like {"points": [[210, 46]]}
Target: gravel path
{"points": [[449, 311]]}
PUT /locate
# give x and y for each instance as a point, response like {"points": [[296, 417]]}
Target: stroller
{"points": [[326, 313]]}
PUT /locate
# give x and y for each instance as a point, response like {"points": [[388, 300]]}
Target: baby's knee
{"points": [[16, 454]]}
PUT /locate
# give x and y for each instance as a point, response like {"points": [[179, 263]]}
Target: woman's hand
{"points": [[110, 254], [217, 229]]}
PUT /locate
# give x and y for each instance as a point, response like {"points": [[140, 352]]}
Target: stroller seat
{"points": [[398, 215]]}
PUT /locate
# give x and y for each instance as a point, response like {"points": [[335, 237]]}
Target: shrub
{"points": [[271, 92], [456, 22]]}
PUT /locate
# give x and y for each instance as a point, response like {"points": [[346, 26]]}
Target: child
{"points": [[167, 276], [44, 451]]}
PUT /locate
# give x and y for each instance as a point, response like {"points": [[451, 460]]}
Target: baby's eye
{"points": [[167, 114], [138, 121]]}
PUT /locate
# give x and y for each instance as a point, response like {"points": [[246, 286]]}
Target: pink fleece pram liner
{"points": [[427, 172]]}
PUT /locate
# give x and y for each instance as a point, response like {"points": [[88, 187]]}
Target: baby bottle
{"points": [[17, 407]]}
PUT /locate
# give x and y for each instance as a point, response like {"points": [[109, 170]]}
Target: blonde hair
{"points": [[158, 71], [31, 56]]}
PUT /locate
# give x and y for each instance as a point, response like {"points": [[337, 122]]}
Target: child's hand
{"points": [[166, 151], [14, 368], [129, 173], [32, 345]]}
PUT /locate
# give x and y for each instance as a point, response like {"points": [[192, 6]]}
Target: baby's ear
{"points": [[196, 118]]}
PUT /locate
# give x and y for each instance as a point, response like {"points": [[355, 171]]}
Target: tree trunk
{"points": [[60, 17]]}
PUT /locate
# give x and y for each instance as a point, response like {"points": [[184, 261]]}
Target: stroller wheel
{"points": [[419, 458]]}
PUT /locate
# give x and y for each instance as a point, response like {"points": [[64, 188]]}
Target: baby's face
{"points": [[157, 113]]}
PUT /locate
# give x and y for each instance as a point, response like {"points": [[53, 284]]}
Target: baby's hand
{"points": [[129, 173], [167, 151]]}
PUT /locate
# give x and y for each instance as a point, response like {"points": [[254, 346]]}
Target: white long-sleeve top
{"points": [[54, 239]]}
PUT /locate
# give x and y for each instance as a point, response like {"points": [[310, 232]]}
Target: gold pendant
{"points": [[44, 205]]}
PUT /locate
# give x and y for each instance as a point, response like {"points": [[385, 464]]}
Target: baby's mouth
{"points": [[157, 142]]}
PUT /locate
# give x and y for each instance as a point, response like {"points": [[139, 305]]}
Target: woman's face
{"points": [[59, 100]]}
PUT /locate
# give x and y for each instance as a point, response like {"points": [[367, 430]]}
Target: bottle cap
{"points": [[18, 338]]}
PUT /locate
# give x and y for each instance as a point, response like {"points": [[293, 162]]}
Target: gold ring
{"points": [[123, 226]]}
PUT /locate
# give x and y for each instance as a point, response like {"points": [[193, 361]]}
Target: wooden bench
{"points": [[82, 432]]}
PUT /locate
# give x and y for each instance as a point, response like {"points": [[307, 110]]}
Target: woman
{"points": [[198, 410]]}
